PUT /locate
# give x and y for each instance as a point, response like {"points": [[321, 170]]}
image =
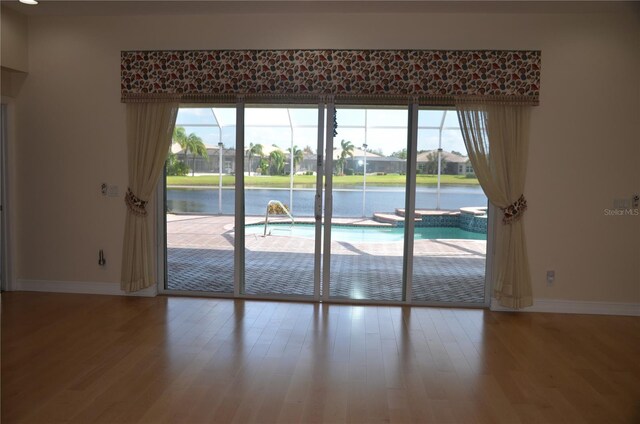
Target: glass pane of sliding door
{"points": [[368, 189], [450, 233], [279, 192], [200, 201]]}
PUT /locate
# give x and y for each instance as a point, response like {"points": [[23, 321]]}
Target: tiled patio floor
{"points": [[200, 258]]}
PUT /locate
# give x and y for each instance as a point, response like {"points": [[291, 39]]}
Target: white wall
{"points": [[13, 40], [14, 50], [584, 147]]}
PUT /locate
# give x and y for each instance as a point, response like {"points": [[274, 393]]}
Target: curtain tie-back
{"points": [[136, 205], [514, 211]]}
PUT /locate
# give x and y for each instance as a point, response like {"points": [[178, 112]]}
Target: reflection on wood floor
{"points": [[106, 359]]}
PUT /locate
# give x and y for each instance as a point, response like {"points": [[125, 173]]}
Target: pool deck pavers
{"points": [[200, 258]]}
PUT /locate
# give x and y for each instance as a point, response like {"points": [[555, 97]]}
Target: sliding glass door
{"points": [[200, 198], [280, 187], [450, 235], [367, 204], [368, 184]]}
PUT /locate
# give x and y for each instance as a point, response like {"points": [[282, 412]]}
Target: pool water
{"points": [[352, 234]]}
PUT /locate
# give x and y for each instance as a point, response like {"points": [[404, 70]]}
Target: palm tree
{"points": [[195, 145], [298, 156], [347, 150], [190, 143], [254, 149], [276, 160], [179, 136]]}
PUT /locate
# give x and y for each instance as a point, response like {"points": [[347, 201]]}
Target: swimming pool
{"points": [[360, 234]]}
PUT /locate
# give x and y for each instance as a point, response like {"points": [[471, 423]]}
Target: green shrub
{"points": [[264, 166], [470, 176], [175, 167], [348, 171]]}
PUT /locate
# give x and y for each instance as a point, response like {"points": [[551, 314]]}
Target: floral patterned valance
{"points": [[430, 76]]}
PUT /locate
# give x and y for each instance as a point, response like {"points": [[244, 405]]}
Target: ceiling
{"points": [[189, 7]]}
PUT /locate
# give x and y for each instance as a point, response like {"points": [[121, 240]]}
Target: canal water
{"points": [[347, 202]]}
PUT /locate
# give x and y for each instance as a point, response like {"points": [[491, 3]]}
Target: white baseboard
{"points": [[79, 287], [575, 307], [539, 305]]}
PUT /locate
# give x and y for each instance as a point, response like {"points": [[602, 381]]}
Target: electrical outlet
{"points": [[551, 278]]}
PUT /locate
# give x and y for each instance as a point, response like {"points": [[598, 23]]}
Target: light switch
{"points": [[112, 191]]}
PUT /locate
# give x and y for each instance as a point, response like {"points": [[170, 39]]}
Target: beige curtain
{"points": [[497, 138], [149, 131]]}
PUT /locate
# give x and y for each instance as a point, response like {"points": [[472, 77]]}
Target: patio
{"points": [[200, 258]]}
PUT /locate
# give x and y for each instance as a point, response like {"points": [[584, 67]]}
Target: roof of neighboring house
{"points": [[356, 153], [447, 156], [378, 158]]}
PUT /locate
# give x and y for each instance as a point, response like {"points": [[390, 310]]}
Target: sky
{"points": [[383, 129]]}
